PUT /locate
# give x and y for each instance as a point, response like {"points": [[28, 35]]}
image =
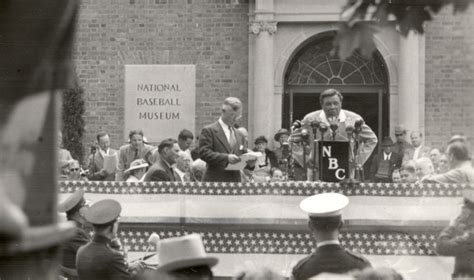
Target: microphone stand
{"points": [[322, 128], [315, 126], [359, 169]]}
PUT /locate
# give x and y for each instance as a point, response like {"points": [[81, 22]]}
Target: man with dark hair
{"points": [[332, 113], [401, 144], [101, 258], [385, 163], [325, 222], [220, 144], [461, 170], [135, 149], [96, 159], [74, 207], [162, 169], [408, 173], [185, 140]]}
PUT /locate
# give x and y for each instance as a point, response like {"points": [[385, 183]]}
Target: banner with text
{"points": [[160, 100]]}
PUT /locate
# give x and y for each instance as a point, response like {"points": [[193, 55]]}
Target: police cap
{"points": [[103, 212], [324, 205], [73, 203]]}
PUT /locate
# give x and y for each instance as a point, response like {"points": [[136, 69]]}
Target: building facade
{"points": [[276, 56]]}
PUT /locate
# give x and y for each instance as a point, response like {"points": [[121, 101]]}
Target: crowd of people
{"points": [[222, 143]]}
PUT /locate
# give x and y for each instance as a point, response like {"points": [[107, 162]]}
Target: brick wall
{"points": [[449, 76], [212, 34]]}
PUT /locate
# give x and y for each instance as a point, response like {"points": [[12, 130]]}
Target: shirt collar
{"points": [[342, 117], [223, 124], [101, 239], [328, 242]]}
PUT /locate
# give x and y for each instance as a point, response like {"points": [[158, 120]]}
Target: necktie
{"points": [[232, 140], [136, 154]]}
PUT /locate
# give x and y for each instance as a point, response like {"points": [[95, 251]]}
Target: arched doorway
{"points": [[314, 68]]}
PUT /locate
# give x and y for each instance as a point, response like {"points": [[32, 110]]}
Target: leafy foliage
{"points": [[361, 19], [73, 121]]}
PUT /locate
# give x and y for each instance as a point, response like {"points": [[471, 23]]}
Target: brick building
{"points": [[271, 55]]}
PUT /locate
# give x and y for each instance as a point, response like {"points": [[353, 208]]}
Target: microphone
{"points": [[358, 125], [296, 124], [315, 124], [323, 128], [350, 130], [154, 239]]}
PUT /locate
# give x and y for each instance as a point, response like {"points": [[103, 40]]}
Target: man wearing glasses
{"points": [[401, 144]]}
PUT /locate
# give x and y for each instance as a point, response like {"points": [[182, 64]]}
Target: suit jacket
{"points": [[96, 164], [409, 152], [214, 149], [401, 147], [464, 174], [160, 171], [98, 261], [69, 250], [395, 162], [328, 258], [367, 137], [455, 241], [127, 155]]}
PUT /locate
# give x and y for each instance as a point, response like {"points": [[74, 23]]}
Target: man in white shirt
{"points": [[418, 150], [182, 168]]}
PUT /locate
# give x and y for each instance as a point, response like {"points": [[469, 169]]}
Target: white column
{"points": [[411, 82], [263, 78]]}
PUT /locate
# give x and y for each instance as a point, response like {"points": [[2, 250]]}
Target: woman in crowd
{"points": [[265, 163], [136, 171], [75, 171]]}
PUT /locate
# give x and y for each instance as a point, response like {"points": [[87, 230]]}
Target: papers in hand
{"points": [[110, 163], [243, 160]]}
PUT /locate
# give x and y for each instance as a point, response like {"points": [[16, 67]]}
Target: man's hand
{"points": [[103, 173], [251, 162], [233, 158], [136, 268]]}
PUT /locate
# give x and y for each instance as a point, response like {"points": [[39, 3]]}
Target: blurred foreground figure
{"points": [[325, 222]]}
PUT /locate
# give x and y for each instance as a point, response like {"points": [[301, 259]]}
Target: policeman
{"points": [[101, 259], [457, 239], [325, 221], [74, 207]]}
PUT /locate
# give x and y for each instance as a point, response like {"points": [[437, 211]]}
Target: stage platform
{"points": [[393, 225]]}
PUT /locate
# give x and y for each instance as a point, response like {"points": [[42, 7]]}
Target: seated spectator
{"points": [[258, 274], [244, 133], [457, 138], [384, 163], [443, 165], [75, 171], [396, 176], [423, 167], [265, 163], [64, 171], [184, 258], [461, 170], [136, 171], [96, 160], [277, 175], [136, 149], [64, 156], [408, 173], [185, 140], [183, 167], [195, 149], [162, 169], [198, 167], [435, 156]]}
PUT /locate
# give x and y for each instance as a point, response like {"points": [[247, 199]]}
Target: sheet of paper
{"points": [[243, 161], [110, 163]]}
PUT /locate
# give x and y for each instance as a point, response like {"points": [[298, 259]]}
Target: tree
{"points": [[361, 19], [73, 121]]}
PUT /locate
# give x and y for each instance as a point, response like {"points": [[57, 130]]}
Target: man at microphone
{"points": [[337, 123]]}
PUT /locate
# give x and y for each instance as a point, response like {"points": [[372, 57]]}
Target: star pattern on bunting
{"points": [[292, 188], [284, 242]]}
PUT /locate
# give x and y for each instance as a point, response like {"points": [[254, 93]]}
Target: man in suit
{"points": [[74, 207], [162, 169], [384, 163], [459, 160], [136, 149], [346, 121], [401, 144], [96, 160], [325, 221], [220, 144], [418, 149], [101, 259]]}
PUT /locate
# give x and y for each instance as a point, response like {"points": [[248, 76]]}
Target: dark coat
{"points": [[96, 164], [214, 150], [329, 258], [97, 260], [395, 162], [160, 172], [69, 251]]}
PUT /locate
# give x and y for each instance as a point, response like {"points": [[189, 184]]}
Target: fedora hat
{"points": [[136, 164], [183, 252], [387, 141], [282, 131]]}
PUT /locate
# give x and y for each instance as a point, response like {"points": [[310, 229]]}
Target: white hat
{"points": [[137, 164], [182, 252], [324, 205]]}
